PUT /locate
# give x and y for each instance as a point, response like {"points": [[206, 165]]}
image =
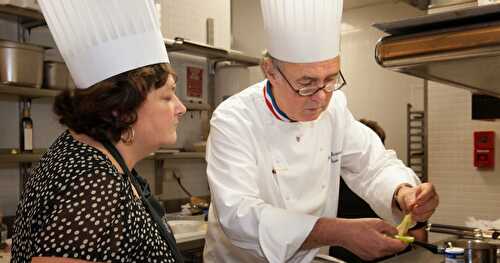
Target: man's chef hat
{"points": [[302, 31], [102, 38]]}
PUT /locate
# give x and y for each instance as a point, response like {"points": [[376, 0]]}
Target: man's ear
{"points": [[268, 70]]}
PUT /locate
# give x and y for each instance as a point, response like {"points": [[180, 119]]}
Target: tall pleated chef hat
{"points": [[102, 38], [302, 31]]}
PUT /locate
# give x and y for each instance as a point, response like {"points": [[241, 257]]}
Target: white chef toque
{"points": [[302, 31], [102, 38]]}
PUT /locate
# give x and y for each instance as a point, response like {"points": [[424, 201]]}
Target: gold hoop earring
{"points": [[129, 136]]}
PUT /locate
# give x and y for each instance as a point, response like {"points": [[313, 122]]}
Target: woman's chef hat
{"points": [[302, 31], [102, 38]]}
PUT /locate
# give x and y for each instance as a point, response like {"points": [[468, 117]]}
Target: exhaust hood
{"points": [[460, 48]]}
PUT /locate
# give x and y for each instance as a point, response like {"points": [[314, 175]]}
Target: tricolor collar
{"points": [[272, 105]]}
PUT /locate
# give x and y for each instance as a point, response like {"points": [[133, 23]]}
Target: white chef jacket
{"points": [[272, 180]]}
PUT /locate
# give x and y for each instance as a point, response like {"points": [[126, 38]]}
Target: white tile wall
{"points": [[187, 19], [464, 190]]}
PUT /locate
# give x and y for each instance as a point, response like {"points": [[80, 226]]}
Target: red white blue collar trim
{"points": [[273, 106]]}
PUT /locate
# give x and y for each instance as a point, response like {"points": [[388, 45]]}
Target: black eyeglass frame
{"points": [[297, 91]]}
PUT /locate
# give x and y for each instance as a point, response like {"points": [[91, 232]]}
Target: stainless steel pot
{"points": [[57, 76], [474, 240], [477, 251], [21, 64]]}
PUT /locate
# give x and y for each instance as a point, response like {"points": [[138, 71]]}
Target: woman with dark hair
{"points": [[84, 201]]}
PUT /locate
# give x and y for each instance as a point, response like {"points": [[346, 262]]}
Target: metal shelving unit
{"points": [[19, 158], [216, 54], [26, 92], [416, 142], [31, 18], [178, 155], [28, 18]]}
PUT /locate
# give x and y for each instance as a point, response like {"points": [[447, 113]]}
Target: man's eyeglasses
{"points": [[308, 90]]}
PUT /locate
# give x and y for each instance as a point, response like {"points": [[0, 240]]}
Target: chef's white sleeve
{"points": [[369, 169], [248, 221]]}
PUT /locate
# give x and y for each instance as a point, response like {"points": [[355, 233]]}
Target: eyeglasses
{"points": [[308, 90]]}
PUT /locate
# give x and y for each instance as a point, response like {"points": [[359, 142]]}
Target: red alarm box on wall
{"points": [[484, 149]]}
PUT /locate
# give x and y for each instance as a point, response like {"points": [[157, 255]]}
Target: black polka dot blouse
{"points": [[77, 205]]}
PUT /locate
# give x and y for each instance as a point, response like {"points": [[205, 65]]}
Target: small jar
{"points": [[454, 255]]}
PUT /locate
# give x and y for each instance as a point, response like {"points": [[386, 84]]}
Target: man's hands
{"points": [[421, 201], [369, 238]]}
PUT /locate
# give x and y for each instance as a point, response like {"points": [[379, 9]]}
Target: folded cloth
{"points": [[482, 224]]}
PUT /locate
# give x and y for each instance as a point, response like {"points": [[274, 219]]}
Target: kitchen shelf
{"points": [[32, 18], [27, 92], [27, 17], [210, 52], [177, 155], [6, 157]]}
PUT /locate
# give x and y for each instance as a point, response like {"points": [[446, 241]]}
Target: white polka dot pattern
{"points": [[77, 205]]}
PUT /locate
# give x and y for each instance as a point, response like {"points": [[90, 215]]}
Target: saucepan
{"points": [[21, 64], [475, 251], [474, 241], [57, 76]]}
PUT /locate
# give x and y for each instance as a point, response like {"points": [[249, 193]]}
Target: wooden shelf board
{"points": [[27, 15], [6, 157], [178, 155], [27, 91]]}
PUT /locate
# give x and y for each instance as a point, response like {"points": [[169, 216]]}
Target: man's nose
{"points": [[319, 96]]}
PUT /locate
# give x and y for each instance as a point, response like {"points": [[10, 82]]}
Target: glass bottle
{"points": [[26, 128]]}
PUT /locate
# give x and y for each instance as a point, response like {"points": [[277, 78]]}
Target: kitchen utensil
{"points": [[57, 76], [432, 248], [463, 231], [21, 64]]}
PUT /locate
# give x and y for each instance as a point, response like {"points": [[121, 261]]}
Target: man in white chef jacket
{"points": [[277, 149]]}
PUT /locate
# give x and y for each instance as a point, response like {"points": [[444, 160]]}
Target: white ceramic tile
{"points": [[465, 191]]}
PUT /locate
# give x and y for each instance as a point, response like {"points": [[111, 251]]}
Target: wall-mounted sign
{"points": [[484, 149], [194, 82]]}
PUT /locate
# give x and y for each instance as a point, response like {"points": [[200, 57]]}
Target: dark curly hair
{"points": [[375, 127], [109, 107]]}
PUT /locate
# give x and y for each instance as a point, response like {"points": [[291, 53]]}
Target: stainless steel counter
{"points": [[418, 255]]}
